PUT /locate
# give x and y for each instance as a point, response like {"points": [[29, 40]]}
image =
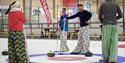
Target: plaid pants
{"points": [[110, 42]]}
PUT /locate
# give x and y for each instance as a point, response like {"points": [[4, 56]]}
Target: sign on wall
{"points": [[46, 10], [88, 5], [69, 3]]}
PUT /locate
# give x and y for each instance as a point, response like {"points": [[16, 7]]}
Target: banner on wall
{"points": [[72, 8], [37, 11], [69, 3], [87, 5], [3, 9], [46, 10]]}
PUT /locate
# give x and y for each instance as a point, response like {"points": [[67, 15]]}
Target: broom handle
{"points": [[0, 51], [64, 24], [26, 46]]}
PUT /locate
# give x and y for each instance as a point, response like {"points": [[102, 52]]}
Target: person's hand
{"points": [[64, 19], [87, 22]]}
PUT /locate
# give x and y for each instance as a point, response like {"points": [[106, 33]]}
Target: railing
{"points": [[52, 31]]}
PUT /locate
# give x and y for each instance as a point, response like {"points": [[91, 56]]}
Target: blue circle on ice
{"points": [[120, 58]]}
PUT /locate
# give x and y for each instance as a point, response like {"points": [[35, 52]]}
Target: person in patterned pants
{"points": [[17, 48], [16, 40], [83, 40], [83, 35]]}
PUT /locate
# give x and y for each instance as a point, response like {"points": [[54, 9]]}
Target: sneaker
{"points": [[88, 54], [82, 53], [105, 61]]}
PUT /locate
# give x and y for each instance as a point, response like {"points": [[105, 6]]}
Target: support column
{"points": [[54, 9], [24, 7], [97, 5], [124, 17], [30, 17], [1, 15]]}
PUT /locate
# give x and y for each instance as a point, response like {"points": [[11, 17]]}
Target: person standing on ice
{"points": [[16, 40], [109, 13], [63, 23], [84, 34]]}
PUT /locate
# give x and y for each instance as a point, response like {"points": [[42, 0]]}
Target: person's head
{"points": [[64, 10], [15, 4], [80, 7]]}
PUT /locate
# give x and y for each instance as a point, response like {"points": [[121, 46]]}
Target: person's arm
{"points": [[89, 15], [73, 16], [100, 14], [60, 21], [66, 16], [22, 18], [61, 17], [119, 12]]}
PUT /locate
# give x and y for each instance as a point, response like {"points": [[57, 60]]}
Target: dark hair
{"points": [[8, 10], [64, 9], [80, 5]]}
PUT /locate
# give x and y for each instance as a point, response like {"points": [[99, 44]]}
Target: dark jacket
{"points": [[109, 12], [84, 16]]}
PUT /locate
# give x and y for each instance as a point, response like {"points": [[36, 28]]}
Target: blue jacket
{"points": [[61, 23]]}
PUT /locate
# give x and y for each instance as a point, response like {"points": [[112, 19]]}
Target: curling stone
{"points": [[88, 54], [51, 54], [4, 52]]}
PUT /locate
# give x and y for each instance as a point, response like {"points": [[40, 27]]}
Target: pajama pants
{"points": [[83, 40], [110, 42], [63, 39], [16, 48]]}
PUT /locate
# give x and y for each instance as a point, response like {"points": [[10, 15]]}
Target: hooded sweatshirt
{"points": [[109, 12], [16, 18]]}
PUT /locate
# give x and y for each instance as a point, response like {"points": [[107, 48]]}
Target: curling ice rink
{"points": [[38, 48]]}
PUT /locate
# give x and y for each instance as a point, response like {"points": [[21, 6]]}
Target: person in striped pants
{"points": [[109, 13]]}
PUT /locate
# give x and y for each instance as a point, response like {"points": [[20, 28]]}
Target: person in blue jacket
{"points": [[63, 23]]}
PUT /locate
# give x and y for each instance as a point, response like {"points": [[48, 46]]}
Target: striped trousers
{"points": [[110, 42], [17, 48]]}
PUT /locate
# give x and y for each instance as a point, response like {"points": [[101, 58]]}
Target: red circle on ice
{"points": [[66, 58], [121, 46]]}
